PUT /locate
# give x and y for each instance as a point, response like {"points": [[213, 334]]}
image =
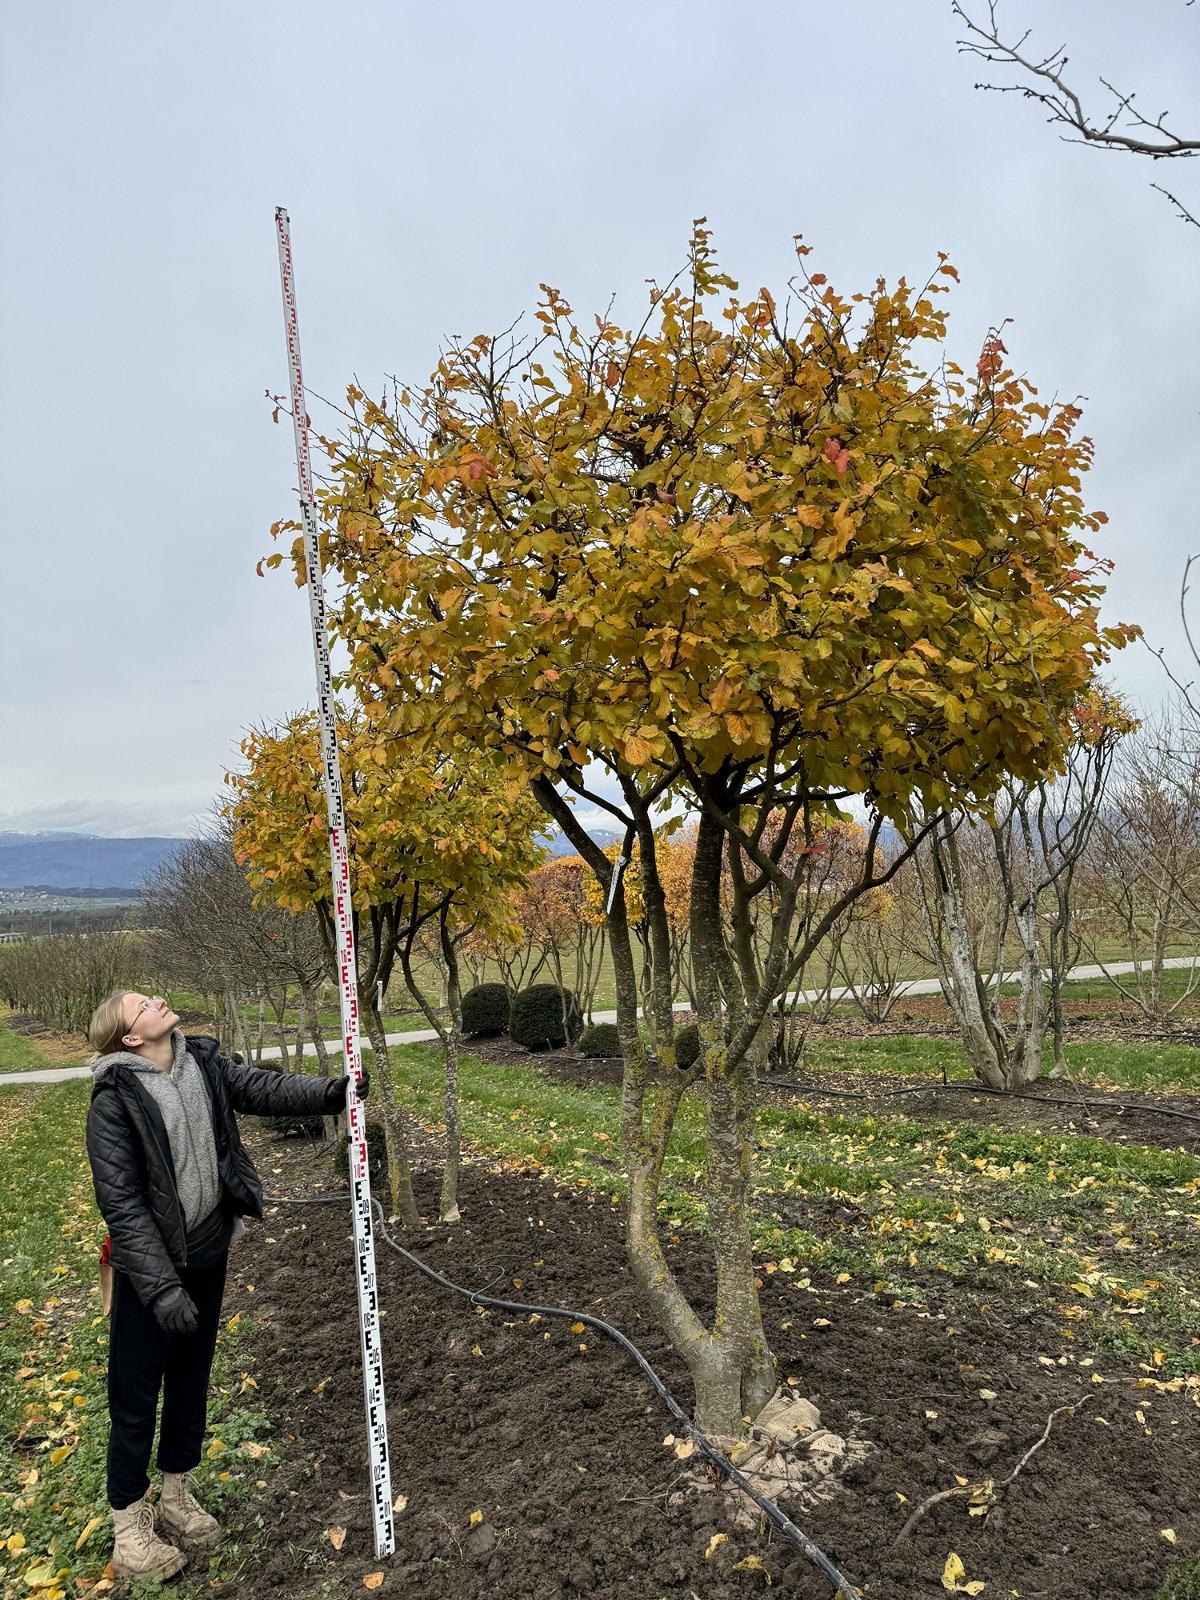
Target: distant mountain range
{"points": [[83, 862], [88, 863], [559, 845]]}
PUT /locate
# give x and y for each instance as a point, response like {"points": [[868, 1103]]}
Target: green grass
{"points": [[18, 1054], [53, 1353], [1182, 1581], [1161, 1068], [1105, 1237]]}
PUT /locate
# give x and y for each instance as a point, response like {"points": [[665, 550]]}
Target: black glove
{"points": [[175, 1310], [339, 1089]]}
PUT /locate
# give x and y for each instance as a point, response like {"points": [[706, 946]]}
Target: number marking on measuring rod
{"points": [[339, 859]]}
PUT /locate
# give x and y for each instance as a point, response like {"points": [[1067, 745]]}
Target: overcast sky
{"points": [[438, 162]]}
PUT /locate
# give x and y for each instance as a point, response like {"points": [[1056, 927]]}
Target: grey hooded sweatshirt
{"points": [[182, 1098]]}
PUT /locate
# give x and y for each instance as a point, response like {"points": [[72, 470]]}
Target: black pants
{"points": [[142, 1359]]}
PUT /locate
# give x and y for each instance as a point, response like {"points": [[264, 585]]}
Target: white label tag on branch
{"points": [[618, 865]]}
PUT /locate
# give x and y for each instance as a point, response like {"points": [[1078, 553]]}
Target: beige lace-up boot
{"points": [[138, 1552], [180, 1514]]}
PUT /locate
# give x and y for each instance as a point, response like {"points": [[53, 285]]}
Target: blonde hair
{"points": [[107, 1027]]}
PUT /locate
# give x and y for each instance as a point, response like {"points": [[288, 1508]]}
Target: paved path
{"points": [[914, 986]]}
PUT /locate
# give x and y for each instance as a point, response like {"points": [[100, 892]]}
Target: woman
{"points": [[173, 1182]]}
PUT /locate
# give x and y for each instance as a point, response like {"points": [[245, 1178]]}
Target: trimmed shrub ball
{"points": [[536, 1019], [601, 1039], [687, 1046], [485, 1011]]}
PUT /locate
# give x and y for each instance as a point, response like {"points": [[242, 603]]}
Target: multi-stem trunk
{"points": [[732, 1370], [998, 1060]]}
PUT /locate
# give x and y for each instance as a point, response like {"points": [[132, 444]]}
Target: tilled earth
{"points": [[555, 1438]]}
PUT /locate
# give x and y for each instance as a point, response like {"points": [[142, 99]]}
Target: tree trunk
{"points": [[449, 1205], [997, 1061], [333, 1126], [395, 1136], [734, 1369]]}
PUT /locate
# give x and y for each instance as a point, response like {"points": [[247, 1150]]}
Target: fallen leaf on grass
{"points": [[254, 1451], [337, 1537], [58, 1456], [15, 1544], [87, 1531]]}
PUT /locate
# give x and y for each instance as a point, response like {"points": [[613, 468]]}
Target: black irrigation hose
{"points": [[779, 1519], [1091, 1107]]}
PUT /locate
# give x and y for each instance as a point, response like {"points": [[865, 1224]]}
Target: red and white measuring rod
{"points": [[364, 1244]]}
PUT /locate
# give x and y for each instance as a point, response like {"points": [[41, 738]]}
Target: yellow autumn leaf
{"points": [[86, 1532], [954, 1577], [337, 1537], [953, 1572], [59, 1455], [752, 1564], [577, 1328], [15, 1543], [372, 1580], [476, 1518], [714, 1544]]}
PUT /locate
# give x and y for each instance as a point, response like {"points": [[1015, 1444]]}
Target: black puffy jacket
{"points": [[133, 1173]]}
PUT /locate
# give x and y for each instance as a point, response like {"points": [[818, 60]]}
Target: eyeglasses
{"points": [[137, 1014]]}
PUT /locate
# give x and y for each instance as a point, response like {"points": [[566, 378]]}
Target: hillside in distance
{"points": [[80, 861]]}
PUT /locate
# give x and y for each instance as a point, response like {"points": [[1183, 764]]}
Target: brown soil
{"points": [[557, 1440]]}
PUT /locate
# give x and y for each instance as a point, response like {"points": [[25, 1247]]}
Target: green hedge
{"points": [[485, 1011], [536, 1019]]}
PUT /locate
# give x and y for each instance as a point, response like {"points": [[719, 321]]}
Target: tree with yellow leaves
{"points": [[437, 846], [747, 558]]}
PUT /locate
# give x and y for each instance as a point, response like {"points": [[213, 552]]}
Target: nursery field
{"points": [[939, 1276]]}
